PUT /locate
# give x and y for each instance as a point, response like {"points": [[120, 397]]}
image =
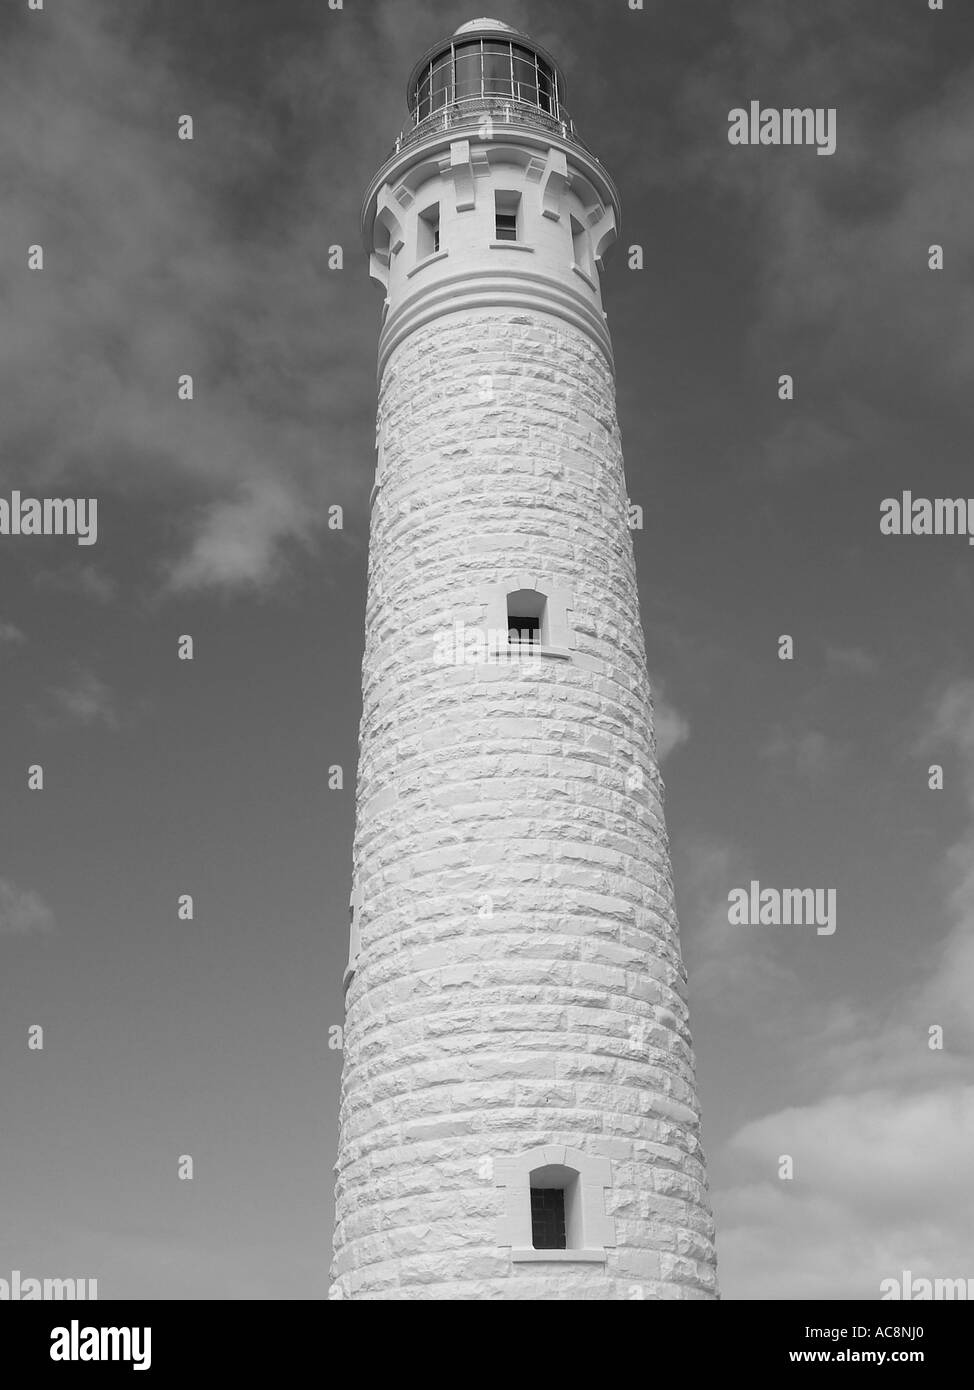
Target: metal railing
{"points": [[476, 111]]}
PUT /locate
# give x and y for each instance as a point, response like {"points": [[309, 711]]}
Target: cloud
{"points": [[165, 257], [881, 1185], [838, 246], [948, 991], [805, 753], [238, 539], [805, 444], [884, 1154], [10, 633], [88, 580], [85, 700], [22, 911], [672, 728], [731, 969], [851, 660]]}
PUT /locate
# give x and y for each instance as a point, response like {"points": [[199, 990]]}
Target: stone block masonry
{"points": [[519, 981]]}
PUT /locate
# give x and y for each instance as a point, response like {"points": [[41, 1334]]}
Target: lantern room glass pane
{"points": [[422, 103], [545, 88], [468, 71], [525, 79], [497, 69], [442, 81]]}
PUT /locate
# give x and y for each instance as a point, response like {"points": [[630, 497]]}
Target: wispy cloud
{"points": [[883, 1156], [87, 580], [881, 1184], [85, 699], [852, 661], [10, 633], [165, 257], [672, 727], [730, 972], [839, 248], [808, 754], [22, 911]]}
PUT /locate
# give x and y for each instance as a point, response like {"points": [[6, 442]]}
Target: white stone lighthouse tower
{"points": [[519, 1115]]}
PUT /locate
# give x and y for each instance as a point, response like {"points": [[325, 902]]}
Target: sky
{"points": [[162, 777]]}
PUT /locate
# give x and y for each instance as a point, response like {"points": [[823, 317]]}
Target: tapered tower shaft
{"points": [[519, 1113]]}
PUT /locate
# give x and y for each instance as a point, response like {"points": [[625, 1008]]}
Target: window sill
{"points": [[560, 1256], [592, 284], [529, 652], [510, 246], [427, 260]]}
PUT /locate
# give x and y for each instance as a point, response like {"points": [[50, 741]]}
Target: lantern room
{"points": [[486, 69]]}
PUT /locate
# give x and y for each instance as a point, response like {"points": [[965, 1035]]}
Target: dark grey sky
{"points": [[762, 518]]}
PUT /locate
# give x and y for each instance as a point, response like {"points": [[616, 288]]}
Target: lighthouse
{"points": [[519, 1116]]}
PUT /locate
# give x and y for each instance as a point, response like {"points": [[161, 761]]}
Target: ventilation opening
{"points": [[507, 210], [548, 1218], [428, 232], [527, 618]]}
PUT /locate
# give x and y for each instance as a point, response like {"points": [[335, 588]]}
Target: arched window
{"points": [[527, 618]]}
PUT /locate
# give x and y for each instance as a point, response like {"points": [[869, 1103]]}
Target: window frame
{"points": [[587, 1226], [557, 630]]}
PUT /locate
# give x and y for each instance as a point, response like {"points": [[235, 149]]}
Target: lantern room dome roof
{"points": [[473, 25]]}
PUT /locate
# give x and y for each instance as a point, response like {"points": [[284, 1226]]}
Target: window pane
{"points": [[422, 103], [506, 228], [545, 99], [525, 80], [548, 1218], [442, 81], [497, 69], [468, 70]]}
